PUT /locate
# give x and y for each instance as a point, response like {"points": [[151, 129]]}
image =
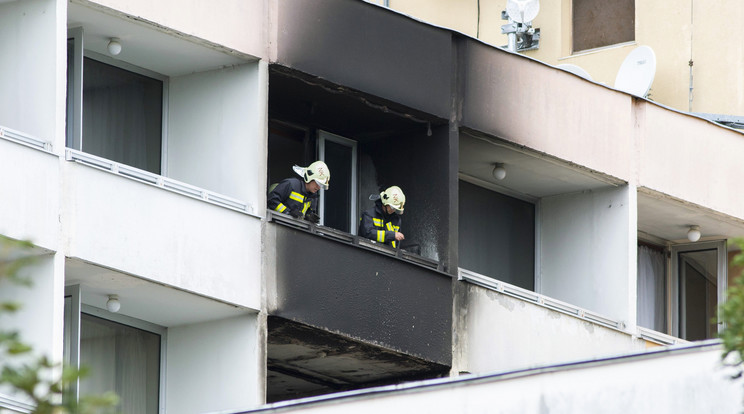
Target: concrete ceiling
{"points": [[168, 53], [304, 361], [143, 299], [529, 175], [669, 219]]}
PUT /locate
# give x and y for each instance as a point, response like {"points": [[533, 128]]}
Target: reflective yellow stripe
{"points": [[280, 208], [297, 197], [390, 226], [377, 222], [307, 206], [394, 246], [381, 236]]}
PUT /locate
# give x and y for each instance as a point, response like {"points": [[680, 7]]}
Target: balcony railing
{"points": [[25, 139], [350, 239], [159, 181], [538, 299]]}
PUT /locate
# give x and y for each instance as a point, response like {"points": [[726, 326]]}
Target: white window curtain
{"points": [[651, 289], [122, 359]]}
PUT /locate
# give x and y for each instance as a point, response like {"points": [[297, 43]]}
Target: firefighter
{"points": [[300, 199], [381, 223]]}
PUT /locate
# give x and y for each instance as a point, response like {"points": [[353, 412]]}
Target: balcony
{"points": [[161, 229], [349, 313]]}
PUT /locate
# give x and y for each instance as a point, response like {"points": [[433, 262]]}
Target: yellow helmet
{"points": [[394, 198], [317, 171]]}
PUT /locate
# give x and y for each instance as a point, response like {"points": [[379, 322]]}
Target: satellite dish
{"points": [[522, 11], [576, 70], [637, 72]]}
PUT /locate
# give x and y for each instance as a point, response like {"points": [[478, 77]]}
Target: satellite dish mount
{"points": [[522, 36]]}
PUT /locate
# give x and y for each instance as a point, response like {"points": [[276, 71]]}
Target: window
{"points": [[338, 206], [113, 112], [699, 282], [497, 235], [599, 23], [124, 354], [122, 359]]}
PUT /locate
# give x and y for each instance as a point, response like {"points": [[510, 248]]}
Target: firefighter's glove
{"points": [[312, 217], [295, 213]]}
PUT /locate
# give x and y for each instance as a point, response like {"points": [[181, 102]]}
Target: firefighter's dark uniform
{"points": [[378, 226], [291, 197]]}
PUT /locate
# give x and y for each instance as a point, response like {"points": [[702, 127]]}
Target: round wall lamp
{"points": [[113, 305], [499, 171], [114, 46], [693, 234]]}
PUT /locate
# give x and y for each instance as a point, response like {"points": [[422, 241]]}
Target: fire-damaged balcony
{"points": [[350, 313]]}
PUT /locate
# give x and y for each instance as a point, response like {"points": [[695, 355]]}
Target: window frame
{"points": [[76, 140], [72, 337], [721, 279], [324, 136]]}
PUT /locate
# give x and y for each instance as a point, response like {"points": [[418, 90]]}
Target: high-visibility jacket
{"points": [[290, 195], [378, 226]]}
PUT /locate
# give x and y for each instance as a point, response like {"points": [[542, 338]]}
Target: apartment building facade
{"points": [[140, 172], [698, 58]]}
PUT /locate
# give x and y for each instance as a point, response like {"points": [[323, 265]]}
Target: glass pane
{"points": [[122, 116], [698, 274], [122, 359], [497, 235], [337, 213]]}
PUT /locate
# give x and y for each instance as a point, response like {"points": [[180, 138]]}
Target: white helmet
{"points": [[394, 198], [317, 171]]}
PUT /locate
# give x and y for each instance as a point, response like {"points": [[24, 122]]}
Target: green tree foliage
{"points": [[47, 385], [732, 314]]}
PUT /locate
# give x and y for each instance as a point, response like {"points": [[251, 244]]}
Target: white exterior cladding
{"points": [[683, 380], [197, 267]]}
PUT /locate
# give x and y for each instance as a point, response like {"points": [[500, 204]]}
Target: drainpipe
{"points": [[692, 14]]}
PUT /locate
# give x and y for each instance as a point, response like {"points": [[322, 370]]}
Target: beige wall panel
{"points": [[236, 24], [549, 110], [701, 166]]}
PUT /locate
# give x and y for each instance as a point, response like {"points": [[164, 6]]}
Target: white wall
{"points": [[585, 250], [216, 131], [504, 333], [214, 366], [28, 73], [162, 236]]}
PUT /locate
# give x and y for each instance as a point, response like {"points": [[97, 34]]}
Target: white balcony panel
{"points": [[227, 374], [585, 245], [502, 332], [30, 194], [160, 235]]}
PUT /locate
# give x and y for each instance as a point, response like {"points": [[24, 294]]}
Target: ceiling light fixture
{"points": [[693, 234], [113, 305], [114, 46], [499, 171]]}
